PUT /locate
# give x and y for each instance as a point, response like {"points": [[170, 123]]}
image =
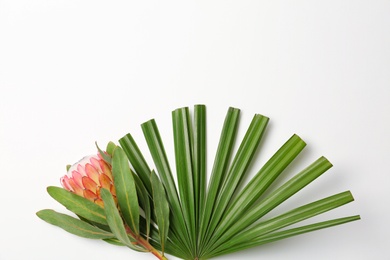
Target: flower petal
{"points": [[65, 183], [89, 184], [90, 195], [104, 181], [92, 172], [96, 164], [99, 202], [77, 178], [75, 188], [106, 169]]}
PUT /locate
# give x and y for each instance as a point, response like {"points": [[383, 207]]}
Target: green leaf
{"points": [[114, 219], [218, 173], [110, 148], [144, 201], [73, 225], [161, 209], [137, 160], [106, 157], [238, 168], [259, 184], [79, 205], [199, 160], [289, 218], [157, 151], [277, 197], [125, 187], [113, 241], [182, 132], [275, 236]]}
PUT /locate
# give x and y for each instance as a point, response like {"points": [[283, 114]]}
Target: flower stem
{"points": [[145, 244]]}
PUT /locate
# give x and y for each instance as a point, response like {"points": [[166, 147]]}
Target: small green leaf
{"points": [[145, 201], [79, 205], [110, 148], [105, 156], [125, 189], [73, 225], [114, 219], [161, 209], [68, 167]]}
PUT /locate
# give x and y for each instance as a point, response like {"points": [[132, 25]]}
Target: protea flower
{"points": [[86, 177]]}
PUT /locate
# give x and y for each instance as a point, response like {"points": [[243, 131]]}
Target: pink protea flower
{"points": [[86, 177]]}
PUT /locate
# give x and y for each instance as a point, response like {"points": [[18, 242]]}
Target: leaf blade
{"points": [[276, 236], [288, 189], [237, 170], [293, 216], [199, 161], [73, 225], [182, 132], [78, 205], [114, 219], [221, 161], [161, 208], [136, 159], [259, 184], [126, 191], [157, 151]]}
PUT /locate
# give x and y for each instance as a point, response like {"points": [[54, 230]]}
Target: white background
{"points": [[75, 72]]}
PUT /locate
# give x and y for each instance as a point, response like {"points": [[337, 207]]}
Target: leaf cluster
{"points": [[193, 218]]}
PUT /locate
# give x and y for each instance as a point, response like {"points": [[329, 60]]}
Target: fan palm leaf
{"points": [[191, 218]]}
